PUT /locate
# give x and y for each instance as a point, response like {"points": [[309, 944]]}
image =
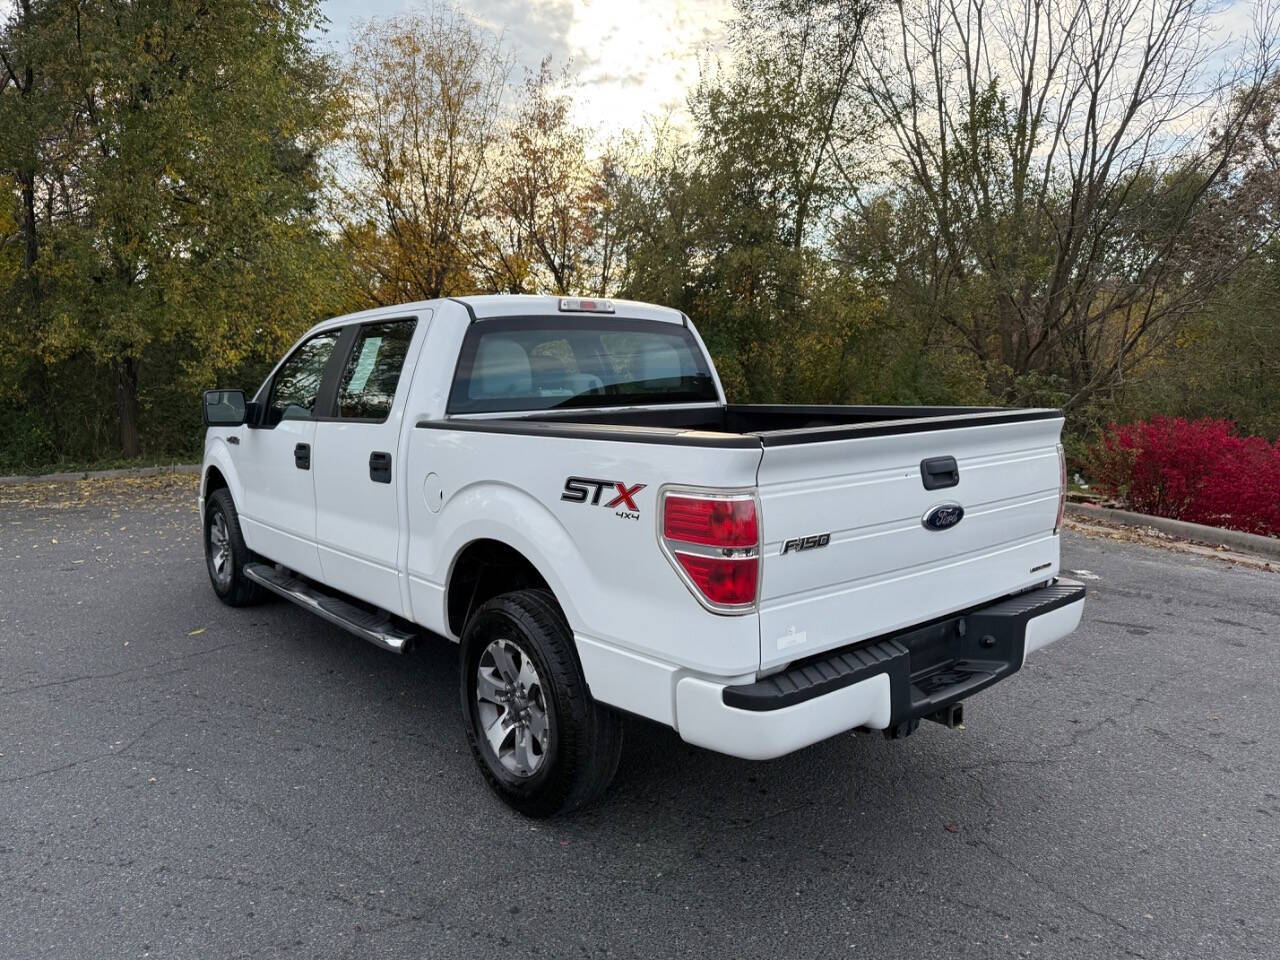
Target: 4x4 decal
{"points": [[580, 489]]}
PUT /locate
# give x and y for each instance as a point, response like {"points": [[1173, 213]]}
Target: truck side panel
{"points": [[602, 561]]}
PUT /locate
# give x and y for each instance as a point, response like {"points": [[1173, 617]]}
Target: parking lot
{"points": [[180, 779]]}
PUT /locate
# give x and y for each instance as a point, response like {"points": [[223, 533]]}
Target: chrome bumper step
{"points": [[376, 627]]}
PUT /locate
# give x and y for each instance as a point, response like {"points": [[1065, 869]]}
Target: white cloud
{"points": [[632, 58]]}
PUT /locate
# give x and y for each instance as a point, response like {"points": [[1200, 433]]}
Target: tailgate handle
{"points": [[939, 473]]}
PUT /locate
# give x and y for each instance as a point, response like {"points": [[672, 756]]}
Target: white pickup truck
{"points": [[560, 486]]}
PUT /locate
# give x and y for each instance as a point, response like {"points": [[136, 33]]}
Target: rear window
{"points": [[545, 363]]}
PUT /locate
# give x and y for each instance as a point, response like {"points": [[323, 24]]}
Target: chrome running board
{"points": [[376, 627]]}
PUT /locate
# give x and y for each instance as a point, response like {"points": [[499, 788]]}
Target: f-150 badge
{"points": [[806, 543]]}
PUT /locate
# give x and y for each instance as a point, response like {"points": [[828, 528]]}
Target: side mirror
{"points": [[224, 408]]}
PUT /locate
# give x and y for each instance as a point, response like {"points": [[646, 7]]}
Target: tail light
{"points": [[1062, 487], [713, 541]]}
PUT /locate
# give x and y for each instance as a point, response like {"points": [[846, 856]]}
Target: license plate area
{"points": [[957, 656]]}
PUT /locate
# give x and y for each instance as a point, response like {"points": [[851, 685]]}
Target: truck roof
{"points": [[507, 305], [488, 306]]}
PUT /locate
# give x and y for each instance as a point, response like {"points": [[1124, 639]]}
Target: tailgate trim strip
{"points": [[889, 428]]}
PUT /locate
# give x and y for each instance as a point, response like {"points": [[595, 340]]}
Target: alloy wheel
{"points": [[220, 548], [512, 708]]}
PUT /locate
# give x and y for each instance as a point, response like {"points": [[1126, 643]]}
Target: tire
{"points": [[224, 542], [581, 741]]}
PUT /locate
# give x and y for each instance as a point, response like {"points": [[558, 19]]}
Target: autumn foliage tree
{"points": [[424, 93], [732, 227], [1070, 176], [547, 227], [1201, 471], [1056, 202]]}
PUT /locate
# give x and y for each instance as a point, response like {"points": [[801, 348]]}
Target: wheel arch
{"points": [[219, 473], [214, 481], [500, 524], [484, 568]]}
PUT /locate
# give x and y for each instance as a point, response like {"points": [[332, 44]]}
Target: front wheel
{"points": [[543, 744], [225, 552]]}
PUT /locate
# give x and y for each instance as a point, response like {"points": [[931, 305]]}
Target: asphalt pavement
{"points": [[179, 779]]}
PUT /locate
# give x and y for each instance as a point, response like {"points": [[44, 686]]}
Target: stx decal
{"points": [[582, 489]]}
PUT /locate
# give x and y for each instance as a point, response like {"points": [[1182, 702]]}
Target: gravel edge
{"points": [[1215, 536]]}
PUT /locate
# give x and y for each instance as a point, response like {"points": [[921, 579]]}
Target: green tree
{"points": [[1225, 361], [732, 228], [176, 197]]}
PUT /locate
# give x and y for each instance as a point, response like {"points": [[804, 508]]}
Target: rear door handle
{"points": [[938, 473], [302, 456], [380, 467]]}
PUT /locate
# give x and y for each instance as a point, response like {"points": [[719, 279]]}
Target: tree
{"points": [[1077, 163], [732, 227], [424, 103], [18, 56], [1225, 361], [174, 181], [548, 227]]}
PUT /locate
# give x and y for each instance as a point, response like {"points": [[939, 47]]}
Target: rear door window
{"points": [[544, 363], [368, 384]]}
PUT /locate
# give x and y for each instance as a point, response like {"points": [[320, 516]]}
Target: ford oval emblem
{"points": [[943, 517]]}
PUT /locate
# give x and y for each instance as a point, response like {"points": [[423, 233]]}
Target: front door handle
{"points": [[302, 456], [380, 467]]}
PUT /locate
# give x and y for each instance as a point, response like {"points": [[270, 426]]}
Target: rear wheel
{"points": [[543, 744], [225, 552]]}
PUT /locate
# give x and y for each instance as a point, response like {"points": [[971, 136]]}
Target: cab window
{"points": [[368, 384], [296, 386], [542, 363]]}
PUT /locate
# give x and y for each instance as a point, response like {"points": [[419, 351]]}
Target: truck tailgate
{"points": [[882, 568]]}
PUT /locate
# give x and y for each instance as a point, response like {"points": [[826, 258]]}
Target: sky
{"points": [[634, 59]]}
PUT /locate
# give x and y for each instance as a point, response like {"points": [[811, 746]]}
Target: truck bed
{"points": [[738, 425]]}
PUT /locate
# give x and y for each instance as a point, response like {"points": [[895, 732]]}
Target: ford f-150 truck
{"points": [[559, 485]]}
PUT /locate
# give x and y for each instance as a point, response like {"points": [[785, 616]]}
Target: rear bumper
{"points": [[879, 683]]}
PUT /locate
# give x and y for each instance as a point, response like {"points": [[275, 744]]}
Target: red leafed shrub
{"points": [[1201, 471]]}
